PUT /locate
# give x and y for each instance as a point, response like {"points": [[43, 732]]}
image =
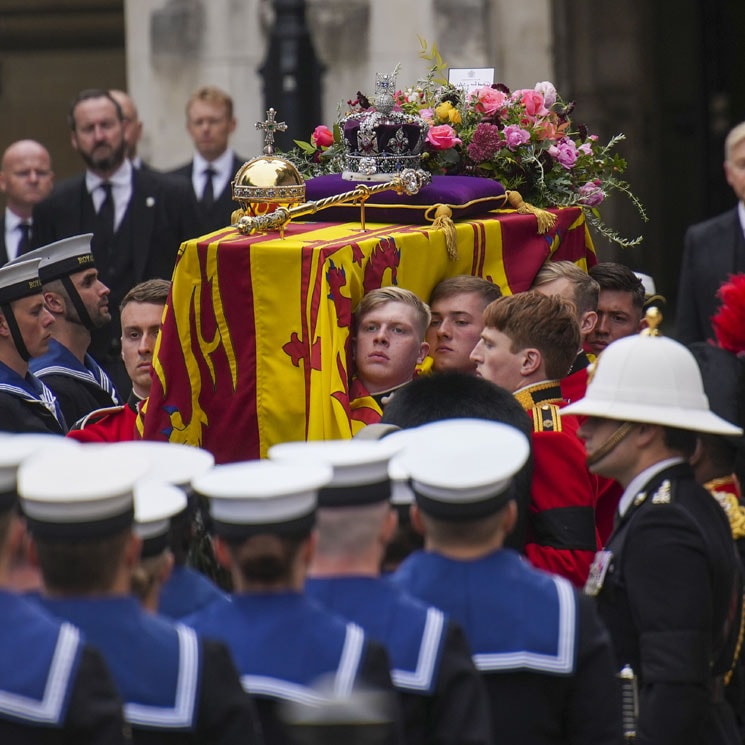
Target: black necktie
{"points": [[208, 193], [106, 215], [23, 243]]}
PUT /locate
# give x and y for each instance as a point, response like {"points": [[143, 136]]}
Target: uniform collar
{"points": [[641, 480], [545, 392]]}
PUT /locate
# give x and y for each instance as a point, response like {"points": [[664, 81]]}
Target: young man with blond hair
{"points": [[388, 344]]}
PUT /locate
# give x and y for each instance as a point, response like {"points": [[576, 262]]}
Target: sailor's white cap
{"points": [[69, 495], [263, 496], [461, 469], [360, 468]]}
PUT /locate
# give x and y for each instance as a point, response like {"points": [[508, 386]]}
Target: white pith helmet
{"points": [[650, 379]]}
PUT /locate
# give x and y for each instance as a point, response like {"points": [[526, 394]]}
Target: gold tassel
{"points": [[444, 221], [546, 220]]}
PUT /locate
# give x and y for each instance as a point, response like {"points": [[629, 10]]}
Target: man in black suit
{"points": [[138, 218], [132, 126], [668, 584], [713, 250], [26, 178], [210, 122]]}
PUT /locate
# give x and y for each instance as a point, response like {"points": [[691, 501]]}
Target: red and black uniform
{"points": [[562, 537], [112, 424]]}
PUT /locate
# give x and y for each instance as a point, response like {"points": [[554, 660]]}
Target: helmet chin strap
{"points": [[610, 443], [77, 301], [15, 332]]}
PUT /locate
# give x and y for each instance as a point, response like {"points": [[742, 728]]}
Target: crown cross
{"points": [[270, 126]]}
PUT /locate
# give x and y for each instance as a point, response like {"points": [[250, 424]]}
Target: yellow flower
{"points": [[454, 116], [443, 111]]}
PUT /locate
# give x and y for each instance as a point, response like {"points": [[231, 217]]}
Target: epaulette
{"points": [[95, 416], [546, 418]]}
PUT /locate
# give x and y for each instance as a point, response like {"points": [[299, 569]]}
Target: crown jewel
{"points": [[379, 142]]}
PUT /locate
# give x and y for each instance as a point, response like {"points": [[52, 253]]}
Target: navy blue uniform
{"points": [[186, 592], [545, 657], [54, 688], [283, 644], [27, 405], [442, 694], [670, 599], [176, 687], [78, 387]]}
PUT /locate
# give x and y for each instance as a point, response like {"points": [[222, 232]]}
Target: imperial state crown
{"points": [[380, 142]]}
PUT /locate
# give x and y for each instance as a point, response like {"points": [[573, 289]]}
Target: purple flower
{"points": [[590, 194], [485, 142], [565, 151], [515, 136]]}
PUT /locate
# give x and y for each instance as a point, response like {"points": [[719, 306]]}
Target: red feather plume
{"points": [[729, 321]]}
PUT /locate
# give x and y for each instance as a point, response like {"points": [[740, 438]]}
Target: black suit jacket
{"points": [[713, 250], [160, 216], [669, 600], [218, 216], [158, 219]]}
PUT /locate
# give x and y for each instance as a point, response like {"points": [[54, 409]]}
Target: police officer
{"points": [[668, 584], [176, 687], [545, 657], [284, 645], [26, 404], [442, 694], [54, 687]]}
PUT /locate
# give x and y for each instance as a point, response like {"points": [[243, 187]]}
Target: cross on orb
{"points": [[270, 126]]}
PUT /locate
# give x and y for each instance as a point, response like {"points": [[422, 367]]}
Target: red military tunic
{"points": [[562, 537], [113, 424]]}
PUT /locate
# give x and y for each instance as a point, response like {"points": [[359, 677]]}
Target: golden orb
{"points": [[267, 180]]}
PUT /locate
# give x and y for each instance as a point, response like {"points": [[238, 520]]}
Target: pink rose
{"points": [[533, 103], [442, 137], [322, 136], [488, 100], [565, 151], [591, 194], [515, 136]]}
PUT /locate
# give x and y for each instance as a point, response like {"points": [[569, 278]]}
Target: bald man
{"points": [[132, 126], [26, 177]]}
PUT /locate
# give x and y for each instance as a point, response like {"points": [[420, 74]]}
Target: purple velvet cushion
{"points": [[465, 195]]}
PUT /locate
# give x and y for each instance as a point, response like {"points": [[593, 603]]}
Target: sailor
{"points": [[545, 657], [156, 503], [176, 687], [284, 645], [54, 687], [26, 404], [442, 694], [668, 585], [79, 302], [190, 585]]}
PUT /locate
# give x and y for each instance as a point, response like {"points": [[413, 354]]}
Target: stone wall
{"points": [[173, 46]]}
